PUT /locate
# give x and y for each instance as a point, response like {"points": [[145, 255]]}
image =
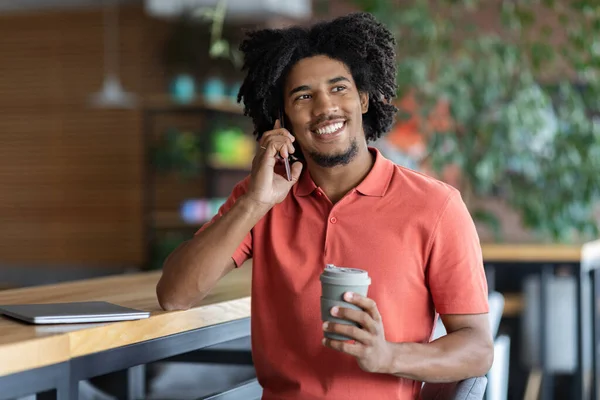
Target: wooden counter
{"points": [[30, 346], [24, 346], [531, 253]]}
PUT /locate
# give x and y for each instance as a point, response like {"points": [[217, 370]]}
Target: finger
{"points": [[360, 317], [365, 303], [350, 331], [269, 152], [354, 349], [281, 143], [284, 151], [277, 129], [296, 171], [279, 136], [278, 132]]}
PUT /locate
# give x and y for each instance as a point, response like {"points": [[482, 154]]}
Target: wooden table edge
{"points": [[531, 252], [34, 353], [110, 336]]}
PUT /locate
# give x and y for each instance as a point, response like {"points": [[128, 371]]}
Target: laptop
{"points": [[71, 313]]}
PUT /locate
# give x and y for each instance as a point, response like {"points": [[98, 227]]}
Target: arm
{"points": [[193, 269], [458, 288], [466, 351], [196, 265]]}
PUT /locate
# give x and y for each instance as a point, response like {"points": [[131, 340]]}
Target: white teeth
{"points": [[330, 128]]}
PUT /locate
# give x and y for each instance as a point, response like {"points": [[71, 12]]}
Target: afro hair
{"points": [[358, 40]]}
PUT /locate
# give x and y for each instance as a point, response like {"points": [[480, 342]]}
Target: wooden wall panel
{"points": [[70, 175]]}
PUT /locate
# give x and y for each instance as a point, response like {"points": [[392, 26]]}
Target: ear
{"points": [[364, 101]]}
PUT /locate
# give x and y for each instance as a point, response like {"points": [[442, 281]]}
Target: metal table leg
{"points": [[547, 389], [61, 392], [594, 275], [132, 356], [136, 382], [580, 386], [51, 382]]}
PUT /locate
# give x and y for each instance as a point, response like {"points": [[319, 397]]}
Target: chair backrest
{"points": [[497, 386], [468, 389], [249, 390], [472, 388], [496, 303]]}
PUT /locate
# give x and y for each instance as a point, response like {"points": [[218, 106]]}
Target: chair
{"points": [[468, 389], [497, 387], [472, 388], [496, 303], [249, 390]]}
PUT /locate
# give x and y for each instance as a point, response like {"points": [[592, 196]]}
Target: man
{"points": [[346, 205]]}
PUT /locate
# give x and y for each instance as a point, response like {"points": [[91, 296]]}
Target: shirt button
{"points": [[333, 220]]}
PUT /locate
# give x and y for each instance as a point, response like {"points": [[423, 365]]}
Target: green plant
{"points": [[219, 46], [178, 151], [520, 97], [184, 48], [163, 246]]}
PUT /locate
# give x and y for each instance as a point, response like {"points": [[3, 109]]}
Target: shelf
{"points": [[172, 220], [216, 165], [164, 102]]}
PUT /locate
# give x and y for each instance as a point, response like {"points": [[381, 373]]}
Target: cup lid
{"points": [[345, 276]]}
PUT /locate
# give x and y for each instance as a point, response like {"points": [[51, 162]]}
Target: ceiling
{"points": [[299, 8], [12, 6]]}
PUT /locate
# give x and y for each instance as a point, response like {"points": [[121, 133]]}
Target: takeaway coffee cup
{"points": [[335, 281]]}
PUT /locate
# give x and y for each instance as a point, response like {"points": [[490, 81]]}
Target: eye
{"points": [[339, 88], [303, 97]]}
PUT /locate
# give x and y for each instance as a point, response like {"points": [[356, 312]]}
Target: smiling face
{"points": [[324, 108]]}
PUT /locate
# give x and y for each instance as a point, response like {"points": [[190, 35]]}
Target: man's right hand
{"points": [[268, 188]]}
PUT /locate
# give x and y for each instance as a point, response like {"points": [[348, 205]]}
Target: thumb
{"points": [[296, 170], [277, 124]]}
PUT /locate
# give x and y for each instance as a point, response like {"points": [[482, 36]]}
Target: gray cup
{"points": [[335, 281]]}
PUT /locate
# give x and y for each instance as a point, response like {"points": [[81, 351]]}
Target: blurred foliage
{"points": [[219, 46], [164, 245], [521, 99], [182, 50], [180, 152]]}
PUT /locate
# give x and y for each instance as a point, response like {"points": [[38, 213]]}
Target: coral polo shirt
{"points": [[414, 236]]}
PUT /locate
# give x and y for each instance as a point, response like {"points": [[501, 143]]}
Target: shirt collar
{"points": [[305, 185], [375, 183]]}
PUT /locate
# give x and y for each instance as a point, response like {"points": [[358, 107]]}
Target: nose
{"points": [[323, 105]]}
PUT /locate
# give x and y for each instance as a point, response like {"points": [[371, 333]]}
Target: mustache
{"points": [[323, 119]]}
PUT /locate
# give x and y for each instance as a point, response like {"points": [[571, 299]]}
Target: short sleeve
{"points": [[244, 250], [455, 272]]}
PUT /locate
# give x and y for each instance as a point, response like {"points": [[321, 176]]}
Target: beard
{"points": [[333, 160]]}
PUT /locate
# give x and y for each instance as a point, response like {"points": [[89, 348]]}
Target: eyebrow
{"points": [[330, 82]]}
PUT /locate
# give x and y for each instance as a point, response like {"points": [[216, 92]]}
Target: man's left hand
{"points": [[370, 348]]}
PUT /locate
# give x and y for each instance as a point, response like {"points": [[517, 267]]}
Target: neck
{"points": [[337, 181]]}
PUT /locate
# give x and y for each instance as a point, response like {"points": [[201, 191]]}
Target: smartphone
{"points": [[286, 161]]}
